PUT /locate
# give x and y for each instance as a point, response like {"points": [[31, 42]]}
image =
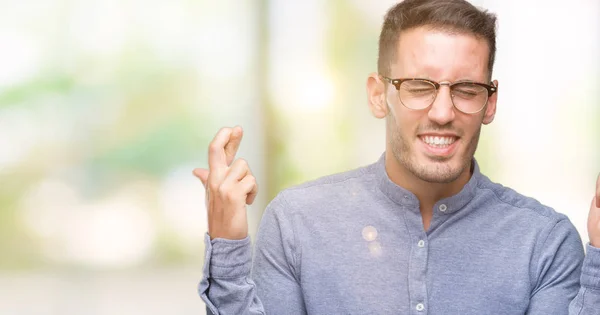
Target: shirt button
{"points": [[420, 307], [443, 207], [421, 243]]}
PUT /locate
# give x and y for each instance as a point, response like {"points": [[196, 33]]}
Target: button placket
{"points": [[419, 253], [443, 207], [418, 273]]}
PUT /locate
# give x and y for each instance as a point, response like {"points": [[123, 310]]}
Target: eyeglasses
{"points": [[467, 96]]}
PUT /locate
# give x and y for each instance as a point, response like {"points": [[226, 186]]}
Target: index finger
{"points": [[234, 143], [216, 150]]}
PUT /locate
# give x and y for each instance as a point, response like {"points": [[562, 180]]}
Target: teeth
{"points": [[438, 141]]}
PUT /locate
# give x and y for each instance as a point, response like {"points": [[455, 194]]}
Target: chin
{"points": [[438, 170]]}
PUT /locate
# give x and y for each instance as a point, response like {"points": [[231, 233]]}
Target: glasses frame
{"points": [[491, 89]]}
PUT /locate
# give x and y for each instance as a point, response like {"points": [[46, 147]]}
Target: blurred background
{"points": [[107, 106]]}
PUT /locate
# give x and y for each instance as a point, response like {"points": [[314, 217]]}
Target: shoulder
{"points": [[325, 192], [525, 209], [547, 234]]}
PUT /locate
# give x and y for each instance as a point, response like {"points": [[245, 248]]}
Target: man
{"points": [[421, 231]]}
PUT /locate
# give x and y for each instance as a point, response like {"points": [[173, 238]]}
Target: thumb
{"points": [[202, 174]]}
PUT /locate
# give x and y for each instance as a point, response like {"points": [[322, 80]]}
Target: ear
{"points": [[376, 96], [490, 109]]}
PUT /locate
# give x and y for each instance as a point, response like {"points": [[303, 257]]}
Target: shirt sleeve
{"points": [[276, 268], [587, 301], [565, 281], [234, 284], [556, 268]]}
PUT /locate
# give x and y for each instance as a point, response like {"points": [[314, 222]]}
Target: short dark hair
{"points": [[454, 16]]}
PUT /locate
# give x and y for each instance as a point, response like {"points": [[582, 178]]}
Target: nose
{"points": [[442, 109]]}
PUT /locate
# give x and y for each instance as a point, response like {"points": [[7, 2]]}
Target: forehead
{"points": [[440, 55]]}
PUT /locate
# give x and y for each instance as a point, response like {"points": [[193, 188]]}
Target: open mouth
{"points": [[438, 145], [438, 142]]}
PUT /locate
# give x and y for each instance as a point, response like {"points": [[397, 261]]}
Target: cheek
{"points": [[470, 137], [405, 123], [391, 103], [469, 126]]}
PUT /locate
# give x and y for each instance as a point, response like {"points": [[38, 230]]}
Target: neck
{"points": [[428, 193]]}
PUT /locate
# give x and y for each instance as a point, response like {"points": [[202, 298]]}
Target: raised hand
{"points": [[229, 186], [593, 225]]}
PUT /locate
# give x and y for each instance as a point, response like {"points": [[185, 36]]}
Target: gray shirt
{"points": [[354, 243]]}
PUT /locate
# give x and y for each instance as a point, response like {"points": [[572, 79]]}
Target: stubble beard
{"points": [[435, 170]]}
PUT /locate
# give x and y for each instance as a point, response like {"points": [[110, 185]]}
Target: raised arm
{"points": [[227, 287]]}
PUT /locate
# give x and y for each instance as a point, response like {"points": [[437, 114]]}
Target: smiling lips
{"points": [[439, 141]]}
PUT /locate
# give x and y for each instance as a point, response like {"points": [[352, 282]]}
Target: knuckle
{"points": [[223, 191], [227, 193], [213, 147], [242, 162], [214, 186]]}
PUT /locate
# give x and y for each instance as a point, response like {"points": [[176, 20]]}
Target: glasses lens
{"points": [[468, 97], [416, 94]]}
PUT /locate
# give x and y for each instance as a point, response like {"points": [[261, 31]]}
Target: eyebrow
{"points": [[422, 75]]}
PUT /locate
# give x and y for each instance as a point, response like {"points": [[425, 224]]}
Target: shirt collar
{"points": [[404, 197]]}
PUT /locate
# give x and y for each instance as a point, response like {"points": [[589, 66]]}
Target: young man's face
{"points": [[436, 144]]}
